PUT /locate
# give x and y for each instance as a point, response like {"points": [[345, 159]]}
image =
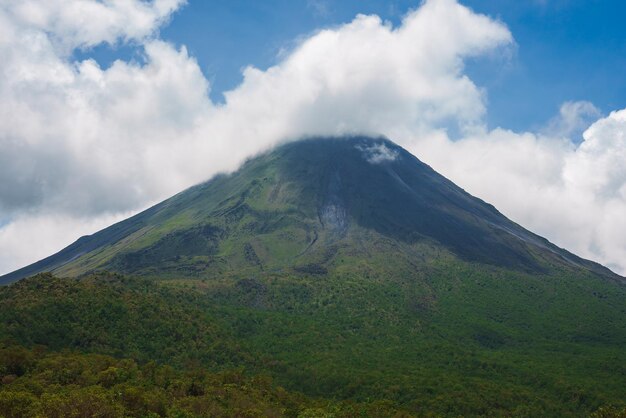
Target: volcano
{"points": [[314, 205]]}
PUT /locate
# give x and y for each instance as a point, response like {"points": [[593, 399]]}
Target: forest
{"points": [[115, 346]]}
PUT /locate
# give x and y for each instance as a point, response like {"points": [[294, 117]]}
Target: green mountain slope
{"points": [[345, 270]]}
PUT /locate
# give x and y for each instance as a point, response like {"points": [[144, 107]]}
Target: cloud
{"points": [[82, 146], [365, 77], [91, 140], [377, 154], [71, 24], [573, 119]]}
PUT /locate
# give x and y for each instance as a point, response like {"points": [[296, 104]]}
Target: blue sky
{"points": [[565, 49]]}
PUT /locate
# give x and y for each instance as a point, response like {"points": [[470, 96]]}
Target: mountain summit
{"points": [[311, 206]]}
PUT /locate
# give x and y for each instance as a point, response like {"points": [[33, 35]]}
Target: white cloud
{"points": [[573, 119], [80, 145], [71, 24], [378, 154]]}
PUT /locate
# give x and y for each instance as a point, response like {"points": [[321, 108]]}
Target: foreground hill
{"points": [[351, 274]]}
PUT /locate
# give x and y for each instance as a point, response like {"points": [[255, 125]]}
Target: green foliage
{"points": [[74, 385], [453, 339], [110, 314]]}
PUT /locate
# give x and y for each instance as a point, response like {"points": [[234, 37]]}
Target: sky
{"points": [[107, 107], [566, 49]]}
